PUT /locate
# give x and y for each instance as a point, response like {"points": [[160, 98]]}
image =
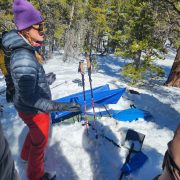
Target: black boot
{"points": [[49, 176]]}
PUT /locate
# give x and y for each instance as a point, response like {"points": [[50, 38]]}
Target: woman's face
{"points": [[36, 34]]}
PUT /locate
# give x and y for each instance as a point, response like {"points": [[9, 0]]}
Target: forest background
{"points": [[140, 30]]}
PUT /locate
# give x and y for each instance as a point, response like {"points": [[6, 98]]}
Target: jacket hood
{"points": [[12, 40]]}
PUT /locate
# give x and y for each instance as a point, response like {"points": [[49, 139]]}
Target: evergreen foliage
{"points": [[135, 39], [134, 29], [6, 15]]}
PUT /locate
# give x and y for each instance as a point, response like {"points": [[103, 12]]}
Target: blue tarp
{"points": [[131, 114], [102, 96], [80, 94], [101, 113]]}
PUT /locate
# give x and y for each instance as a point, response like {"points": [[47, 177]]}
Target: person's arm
{"points": [[7, 169], [174, 147], [171, 162]]}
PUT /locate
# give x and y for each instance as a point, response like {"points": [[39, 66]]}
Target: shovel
{"points": [[133, 141]]}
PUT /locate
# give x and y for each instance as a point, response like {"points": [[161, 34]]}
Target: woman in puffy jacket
{"points": [[32, 97]]}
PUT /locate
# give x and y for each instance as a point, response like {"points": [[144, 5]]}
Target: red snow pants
{"points": [[35, 143]]}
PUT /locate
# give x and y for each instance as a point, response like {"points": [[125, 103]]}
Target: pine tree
{"points": [[97, 27], [135, 39], [172, 23]]}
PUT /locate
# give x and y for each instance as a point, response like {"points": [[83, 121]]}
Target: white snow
{"points": [[75, 155]]}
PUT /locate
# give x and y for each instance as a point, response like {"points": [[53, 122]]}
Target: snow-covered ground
{"points": [[73, 154]]}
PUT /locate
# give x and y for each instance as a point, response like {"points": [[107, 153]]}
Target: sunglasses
{"points": [[41, 28]]}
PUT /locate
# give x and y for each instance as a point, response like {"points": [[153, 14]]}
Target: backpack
{"points": [[2, 63], [5, 57]]}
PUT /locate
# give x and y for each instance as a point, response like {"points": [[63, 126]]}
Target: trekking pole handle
{"points": [[81, 67], [88, 66], [88, 62]]}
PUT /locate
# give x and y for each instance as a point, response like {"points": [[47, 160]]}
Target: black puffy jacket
{"points": [[32, 92]]}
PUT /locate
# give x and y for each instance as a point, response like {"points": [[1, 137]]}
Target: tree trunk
{"points": [[137, 59], [174, 76], [50, 53], [71, 15]]}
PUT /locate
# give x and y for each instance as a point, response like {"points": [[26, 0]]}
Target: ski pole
{"points": [[59, 84], [107, 110], [90, 82], [92, 95], [81, 70]]}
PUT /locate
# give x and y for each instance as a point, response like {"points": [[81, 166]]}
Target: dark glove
{"points": [[50, 77], [72, 107]]}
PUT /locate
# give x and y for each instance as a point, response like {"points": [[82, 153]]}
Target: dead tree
{"points": [[74, 40], [174, 76]]}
